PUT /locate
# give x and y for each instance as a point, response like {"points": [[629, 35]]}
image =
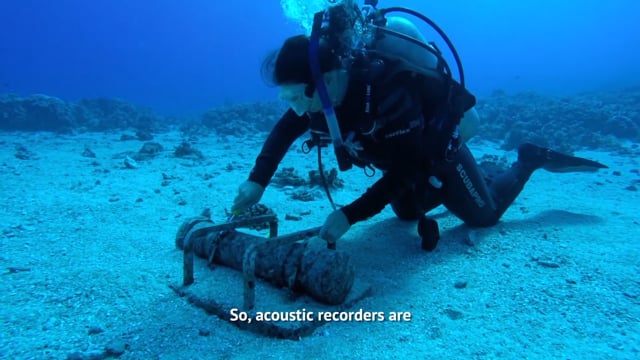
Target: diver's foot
{"points": [[429, 232], [538, 157]]}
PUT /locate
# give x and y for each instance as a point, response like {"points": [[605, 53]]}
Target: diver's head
{"points": [[289, 68]]}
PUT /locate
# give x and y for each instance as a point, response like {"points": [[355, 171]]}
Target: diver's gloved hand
{"points": [[249, 193], [334, 227]]}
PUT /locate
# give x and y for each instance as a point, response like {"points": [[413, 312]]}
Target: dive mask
{"points": [[295, 96]]}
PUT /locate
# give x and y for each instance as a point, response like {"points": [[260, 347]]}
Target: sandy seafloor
{"points": [[97, 257]]}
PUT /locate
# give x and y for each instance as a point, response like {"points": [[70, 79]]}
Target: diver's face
{"points": [[300, 103]]}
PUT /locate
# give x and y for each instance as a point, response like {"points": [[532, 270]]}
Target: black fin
{"points": [[553, 161]]}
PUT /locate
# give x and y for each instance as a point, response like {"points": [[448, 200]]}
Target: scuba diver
{"points": [[386, 99]]}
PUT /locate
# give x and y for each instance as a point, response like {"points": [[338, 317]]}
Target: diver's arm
{"points": [[398, 179], [403, 140], [284, 133]]}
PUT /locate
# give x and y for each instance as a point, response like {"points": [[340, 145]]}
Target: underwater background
{"points": [[185, 57], [123, 121]]}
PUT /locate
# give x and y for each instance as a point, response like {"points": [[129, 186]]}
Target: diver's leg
{"points": [[508, 185], [412, 204], [467, 195], [406, 207], [465, 192]]}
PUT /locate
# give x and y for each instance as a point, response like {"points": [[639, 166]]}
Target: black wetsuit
{"points": [[409, 149]]}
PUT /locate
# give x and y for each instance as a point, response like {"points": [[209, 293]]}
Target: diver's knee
{"points": [[406, 209]]}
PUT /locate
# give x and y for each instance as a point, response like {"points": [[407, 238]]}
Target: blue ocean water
{"points": [[186, 57], [94, 190]]}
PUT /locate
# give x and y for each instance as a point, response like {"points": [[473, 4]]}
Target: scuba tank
{"points": [[350, 31], [422, 61]]}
